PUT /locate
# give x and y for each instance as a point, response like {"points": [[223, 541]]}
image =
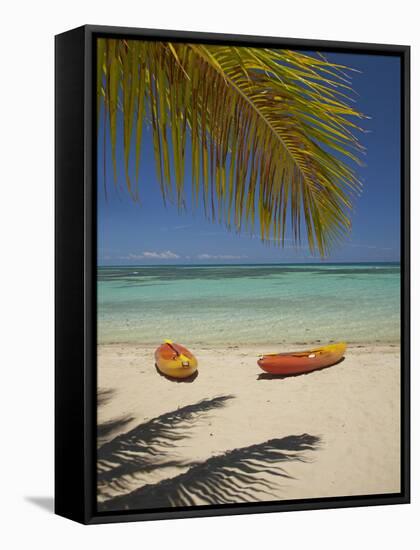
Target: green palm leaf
{"points": [[271, 133]]}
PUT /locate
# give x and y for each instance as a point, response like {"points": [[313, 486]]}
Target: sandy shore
{"points": [[353, 407]]}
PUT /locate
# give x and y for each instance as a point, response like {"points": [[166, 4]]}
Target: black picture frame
{"points": [[75, 275]]}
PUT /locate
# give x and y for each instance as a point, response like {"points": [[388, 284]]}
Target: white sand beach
{"points": [[353, 407]]}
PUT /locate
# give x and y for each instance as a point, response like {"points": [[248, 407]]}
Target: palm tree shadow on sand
{"points": [[145, 448], [238, 475], [107, 429], [269, 376]]}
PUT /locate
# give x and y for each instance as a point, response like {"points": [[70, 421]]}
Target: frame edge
{"points": [[70, 478]]}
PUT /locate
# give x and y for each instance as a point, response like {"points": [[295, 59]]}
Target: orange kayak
{"points": [[175, 360], [300, 362]]}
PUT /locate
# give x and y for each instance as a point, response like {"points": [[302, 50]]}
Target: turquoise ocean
{"points": [[249, 304]]}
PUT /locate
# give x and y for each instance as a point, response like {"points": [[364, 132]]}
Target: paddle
{"points": [[170, 344]]}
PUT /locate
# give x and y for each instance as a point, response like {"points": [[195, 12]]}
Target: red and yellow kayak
{"points": [[175, 360], [299, 362]]}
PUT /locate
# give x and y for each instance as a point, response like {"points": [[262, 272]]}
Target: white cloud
{"points": [[370, 246], [180, 227], [151, 254], [175, 227], [132, 257], [219, 257], [165, 255]]}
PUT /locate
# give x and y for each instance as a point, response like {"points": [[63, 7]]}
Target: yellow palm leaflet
{"points": [[271, 132]]}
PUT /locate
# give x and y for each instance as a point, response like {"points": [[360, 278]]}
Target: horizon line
{"points": [[214, 264]]}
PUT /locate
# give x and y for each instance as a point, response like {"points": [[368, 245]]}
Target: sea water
{"points": [[249, 304]]}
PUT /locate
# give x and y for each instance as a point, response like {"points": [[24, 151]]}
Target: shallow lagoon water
{"points": [[249, 304]]}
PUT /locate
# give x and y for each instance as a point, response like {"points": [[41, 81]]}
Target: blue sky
{"points": [[149, 233]]}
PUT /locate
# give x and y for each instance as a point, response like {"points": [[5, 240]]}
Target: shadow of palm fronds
{"points": [[103, 396], [234, 476], [106, 429], [142, 449]]}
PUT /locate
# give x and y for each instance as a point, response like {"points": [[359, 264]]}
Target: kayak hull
{"points": [[175, 360], [300, 362]]}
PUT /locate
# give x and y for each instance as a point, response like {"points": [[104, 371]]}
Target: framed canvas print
{"points": [[232, 274]]}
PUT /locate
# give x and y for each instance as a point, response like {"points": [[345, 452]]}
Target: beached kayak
{"points": [[175, 360], [300, 362]]}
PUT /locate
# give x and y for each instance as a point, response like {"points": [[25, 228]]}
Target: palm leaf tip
{"points": [[271, 133]]}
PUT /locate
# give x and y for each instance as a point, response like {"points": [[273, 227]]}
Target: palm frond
{"points": [[240, 475], [270, 132]]}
